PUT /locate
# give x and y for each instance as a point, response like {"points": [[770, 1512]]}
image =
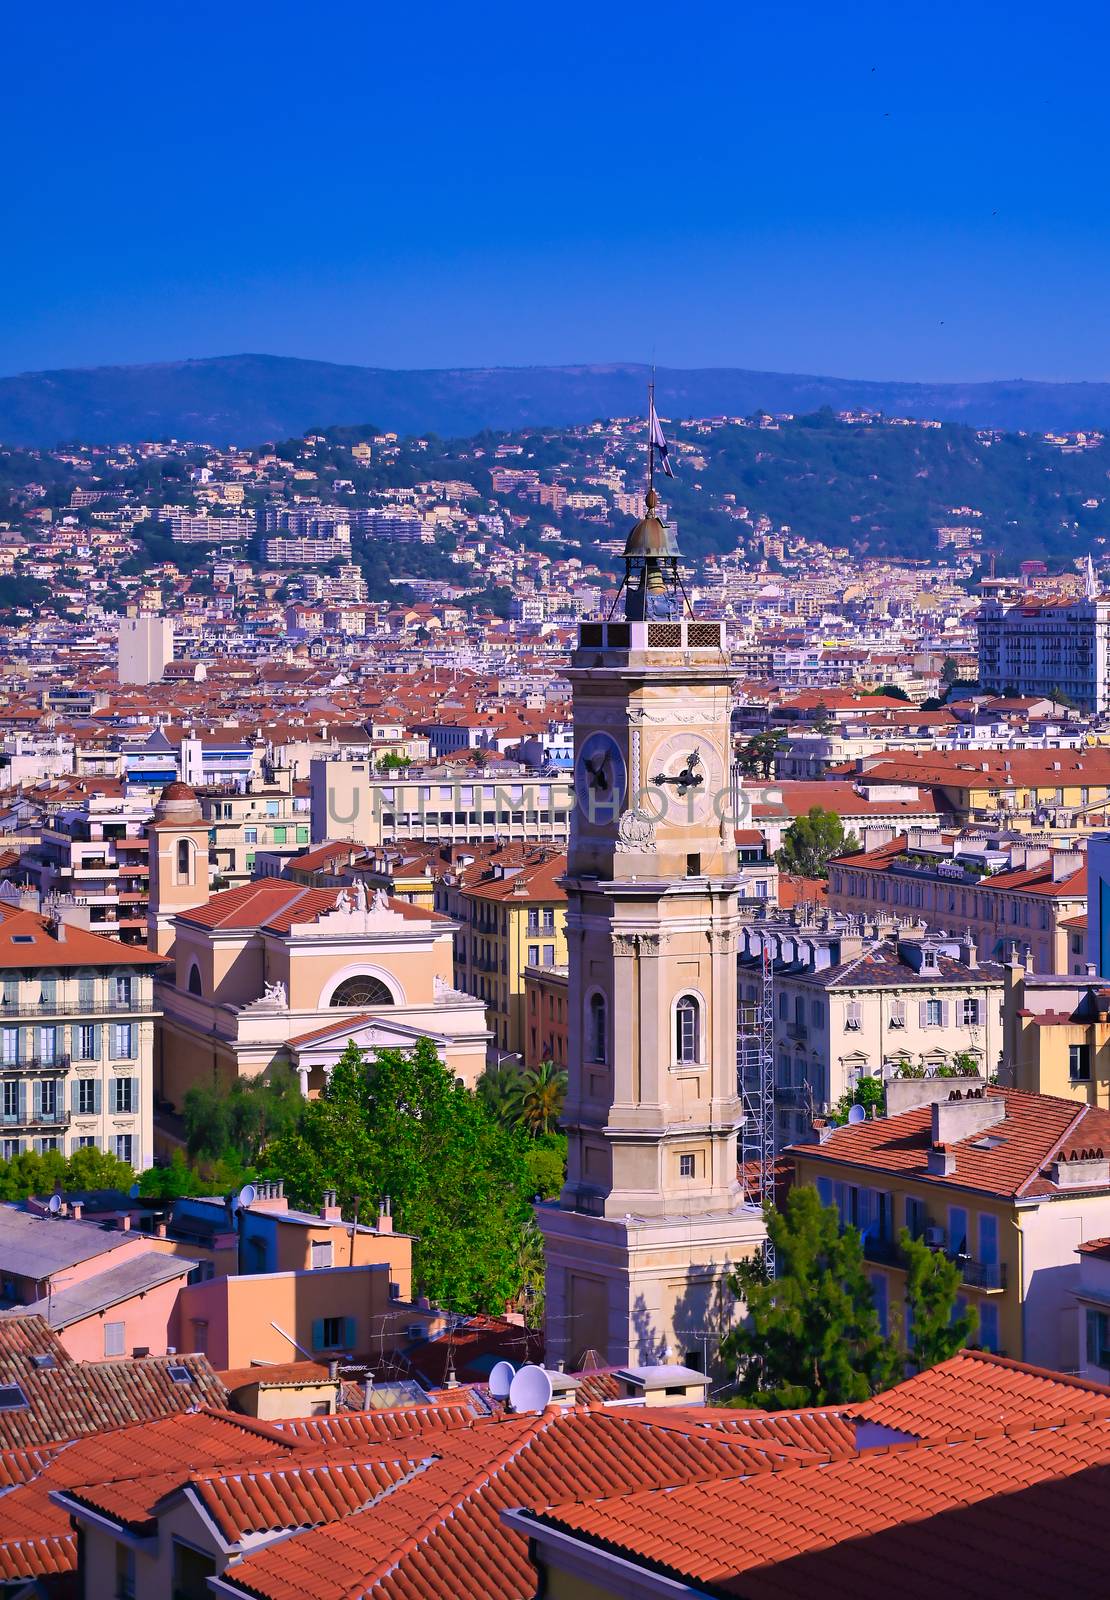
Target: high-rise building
{"points": [[651, 1218], [145, 648], [1047, 647]]}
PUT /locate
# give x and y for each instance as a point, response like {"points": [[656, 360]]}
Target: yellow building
{"points": [[1006, 1184], [512, 914], [1056, 1035]]}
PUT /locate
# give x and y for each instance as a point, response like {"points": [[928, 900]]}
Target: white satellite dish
{"points": [[54, 1204], [857, 1114], [501, 1380], [248, 1194], [530, 1390]]}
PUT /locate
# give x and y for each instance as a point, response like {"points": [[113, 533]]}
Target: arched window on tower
{"points": [[184, 860], [362, 990], [687, 1028], [598, 1041], [194, 980]]}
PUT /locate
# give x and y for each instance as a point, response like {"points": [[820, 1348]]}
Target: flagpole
{"points": [[651, 430]]}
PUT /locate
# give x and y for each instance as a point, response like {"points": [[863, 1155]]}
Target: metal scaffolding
{"points": [[755, 1069]]}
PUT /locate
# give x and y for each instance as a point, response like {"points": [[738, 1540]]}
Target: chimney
{"points": [[940, 1162], [76, 1210], [969, 950], [331, 1211], [385, 1215], [333, 1370], [962, 1115], [125, 1223], [160, 1230]]}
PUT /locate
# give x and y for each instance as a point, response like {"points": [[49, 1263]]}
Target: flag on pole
{"points": [[1091, 581], [655, 434]]}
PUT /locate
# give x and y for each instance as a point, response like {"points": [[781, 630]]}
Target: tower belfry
{"points": [[652, 1215]]}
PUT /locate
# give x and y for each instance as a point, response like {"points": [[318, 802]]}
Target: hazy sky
{"points": [[873, 190]]}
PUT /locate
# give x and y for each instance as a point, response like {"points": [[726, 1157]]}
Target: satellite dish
{"points": [[530, 1390], [134, 1191], [501, 1380], [857, 1114], [247, 1194], [54, 1204]]}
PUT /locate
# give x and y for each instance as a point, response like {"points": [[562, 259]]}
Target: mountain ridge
{"points": [[250, 398]]}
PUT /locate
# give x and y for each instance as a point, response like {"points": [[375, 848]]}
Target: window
{"points": [[11, 1100], [125, 1572], [183, 859], [549, 955], [1098, 1338], [933, 1014], [48, 1097], [598, 1040], [969, 1013], [853, 1017], [687, 1029], [364, 990], [48, 1045], [957, 1231], [279, 835], [321, 1254], [988, 1239], [693, 864], [10, 1148], [533, 955], [9, 1046], [88, 1098], [1079, 1062], [85, 1042], [123, 1041], [123, 1096], [84, 1142], [114, 1338], [123, 1144], [333, 1333], [250, 835], [817, 1013], [124, 992], [686, 1166], [195, 986], [12, 1397]]}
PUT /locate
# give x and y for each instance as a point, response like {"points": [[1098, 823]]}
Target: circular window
{"points": [[362, 991]]}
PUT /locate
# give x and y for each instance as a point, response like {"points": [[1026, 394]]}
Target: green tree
{"points": [[892, 691], [499, 1089], [949, 671], [868, 1093], [402, 1126], [822, 721], [810, 841], [236, 1125], [547, 1165], [90, 1168], [543, 1090], [935, 1330], [812, 1335], [171, 1182], [757, 757]]}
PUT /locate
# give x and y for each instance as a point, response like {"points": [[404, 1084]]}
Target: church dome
{"points": [[178, 803]]}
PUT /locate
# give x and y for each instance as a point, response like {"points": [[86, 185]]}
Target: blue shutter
{"points": [[75, 1096], [349, 1333], [96, 1096], [318, 1333], [36, 1100], [23, 1101], [97, 1047], [134, 1094]]}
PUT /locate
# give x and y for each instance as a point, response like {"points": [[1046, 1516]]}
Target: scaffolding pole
{"points": [[755, 1067]]}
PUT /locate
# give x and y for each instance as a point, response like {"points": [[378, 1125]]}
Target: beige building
{"points": [[858, 998], [1057, 1035], [145, 648], [269, 816], [277, 971], [77, 1021], [1002, 891], [651, 1218], [351, 800]]}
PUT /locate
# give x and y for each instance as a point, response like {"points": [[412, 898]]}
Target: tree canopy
{"points": [[810, 841], [400, 1125]]}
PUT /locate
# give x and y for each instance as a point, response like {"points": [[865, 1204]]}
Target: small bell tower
{"points": [[179, 879]]}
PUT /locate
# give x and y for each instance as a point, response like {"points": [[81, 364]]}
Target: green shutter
{"points": [[349, 1333], [318, 1333]]}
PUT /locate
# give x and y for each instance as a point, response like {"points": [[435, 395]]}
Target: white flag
{"points": [[655, 434]]}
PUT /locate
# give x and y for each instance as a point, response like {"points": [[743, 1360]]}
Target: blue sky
{"points": [[872, 190]]}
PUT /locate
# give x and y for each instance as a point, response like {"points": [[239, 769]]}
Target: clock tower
{"points": [[651, 1218]]}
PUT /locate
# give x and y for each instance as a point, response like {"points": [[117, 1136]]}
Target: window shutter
{"points": [[75, 1095], [318, 1333], [96, 1096], [134, 1094], [349, 1333], [923, 1013], [85, 993], [23, 1102], [36, 1099], [945, 1009], [96, 1041]]}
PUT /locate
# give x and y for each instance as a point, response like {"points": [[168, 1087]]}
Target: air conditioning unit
{"points": [[934, 1238]]}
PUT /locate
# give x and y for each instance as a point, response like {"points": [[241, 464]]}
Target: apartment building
{"points": [[77, 1021], [95, 856], [1004, 891], [511, 911], [1043, 646], [351, 800], [855, 999], [269, 816], [1006, 1184], [1056, 1035], [546, 1016]]}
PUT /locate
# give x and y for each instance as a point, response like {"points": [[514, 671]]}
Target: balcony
{"points": [[886, 1252], [54, 1063], [52, 1120], [982, 1274], [40, 1009]]}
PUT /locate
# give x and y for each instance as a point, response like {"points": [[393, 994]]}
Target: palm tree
{"points": [[529, 1297], [542, 1092], [499, 1089]]}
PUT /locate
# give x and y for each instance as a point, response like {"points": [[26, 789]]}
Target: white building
{"points": [[145, 648], [1047, 647]]}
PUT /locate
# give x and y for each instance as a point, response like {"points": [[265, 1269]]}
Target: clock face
{"points": [[600, 778], [685, 775]]}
